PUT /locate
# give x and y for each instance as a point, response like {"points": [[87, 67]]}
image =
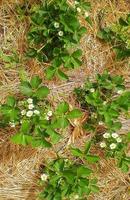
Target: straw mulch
{"points": [[20, 166]]}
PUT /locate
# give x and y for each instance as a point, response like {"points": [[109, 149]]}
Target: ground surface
{"points": [[19, 166]]}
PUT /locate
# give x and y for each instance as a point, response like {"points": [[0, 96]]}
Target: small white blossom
{"points": [[60, 33], [115, 135], [29, 113], [119, 139], [36, 112], [44, 177], [100, 123], [12, 124], [23, 112], [102, 144], [86, 14], [104, 103], [113, 146], [94, 115], [47, 118], [76, 2], [119, 91], [30, 101], [106, 135], [30, 106], [79, 9], [49, 113], [56, 25], [92, 90]]}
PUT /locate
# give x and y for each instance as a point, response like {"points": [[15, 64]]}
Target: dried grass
{"points": [[19, 166]]}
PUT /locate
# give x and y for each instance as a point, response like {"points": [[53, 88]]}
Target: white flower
{"points": [[49, 113], [115, 135], [106, 135], [113, 146], [79, 9], [12, 124], [119, 91], [56, 25], [92, 90], [102, 144], [30, 106], [44, 177], [86, 14], [94, 115], [100, 123], [47, 118], [60, 33], [76, 2], [104, 103], [30, 101], [119, 139], [36, 112], [29, 113], [23, 112]]}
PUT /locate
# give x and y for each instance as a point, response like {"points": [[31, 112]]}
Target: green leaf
{"points": [[35, 82], [59, 164], [77, 53], [26, 88], [42, 92], [94, 188], [50, 72], [25, 127], [40, 142], [74, 114], [61, 122], [22, 139], [87, 147], [76, 152], [83, 171], [68, 174], [128, 136], [11, 101], [116, 126], [55, 137], [62, 75], [62, 108], [124, 167], [92, 158]]}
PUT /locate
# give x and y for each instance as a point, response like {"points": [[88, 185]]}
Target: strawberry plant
{"points": [[64, 179], [33, 118], [54, 32], [118, 34], [104, 99], [85, 153], [116, 146]]}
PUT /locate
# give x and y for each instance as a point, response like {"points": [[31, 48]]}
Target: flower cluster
{"points": [[82, 8], [30, 109], [111, 140]]}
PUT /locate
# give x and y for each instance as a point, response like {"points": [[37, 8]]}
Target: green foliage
{"points": [[118, 35], [90, 158], [10, 60], [104, 99], [64, 179], [116, 146], [51, 38], [37, 124]]}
